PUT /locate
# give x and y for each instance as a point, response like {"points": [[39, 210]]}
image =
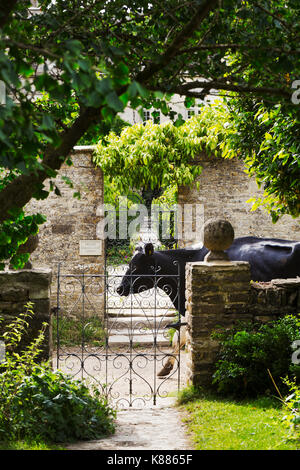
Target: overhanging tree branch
{"points": [[19, 192], [192, 89], [234, 46], [6, 7], [40, 50], [273, 15], [178, 42]]}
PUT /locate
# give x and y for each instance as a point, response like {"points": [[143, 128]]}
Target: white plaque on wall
{"points": [[90, 247]]}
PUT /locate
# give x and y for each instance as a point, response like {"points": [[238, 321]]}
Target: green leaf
{"points": [[189, 101], [4, 239], [114, 102], [40, 219], [104, 86], [74, 46], [47, 123], [136, 88]]}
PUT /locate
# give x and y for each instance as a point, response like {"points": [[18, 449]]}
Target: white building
{"points": [[132, 116]]}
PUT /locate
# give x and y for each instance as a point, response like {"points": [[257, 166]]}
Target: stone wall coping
{"points": [[38, 275], [84, 148], [220, 264], [22, 271], [289, 282]]}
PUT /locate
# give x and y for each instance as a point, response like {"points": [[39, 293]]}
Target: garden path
{"points": [[159, 428]]}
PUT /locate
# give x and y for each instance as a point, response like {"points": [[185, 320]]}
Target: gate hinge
{"points": [[176, 326]]}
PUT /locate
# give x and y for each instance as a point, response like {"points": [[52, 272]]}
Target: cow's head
{"points": [[140, 273]]}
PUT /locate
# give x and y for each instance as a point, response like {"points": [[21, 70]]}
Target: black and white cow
{"points": [[269, 258]]}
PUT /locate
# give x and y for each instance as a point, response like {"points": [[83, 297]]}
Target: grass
{"points": [[28, 445], [72, 332], [226, 424]]}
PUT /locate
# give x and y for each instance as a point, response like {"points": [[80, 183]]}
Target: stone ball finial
{"points": [[218, 235]]}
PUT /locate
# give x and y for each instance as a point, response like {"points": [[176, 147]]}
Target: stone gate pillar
{"points": [[217, 294], [17, 288]]}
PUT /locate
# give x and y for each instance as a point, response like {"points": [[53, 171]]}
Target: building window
{"points": [[191, 112], [146, 116], [150, 115]]}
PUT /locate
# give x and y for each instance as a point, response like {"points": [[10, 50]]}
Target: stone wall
{"points": [[224, 190], [70, 221], [16, 289], [268, 300], [220, 294]]}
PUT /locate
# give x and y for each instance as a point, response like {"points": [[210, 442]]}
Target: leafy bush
{"points": [[118, 254], [37, 402], [57, 408], [253, 357], [292, 405]]}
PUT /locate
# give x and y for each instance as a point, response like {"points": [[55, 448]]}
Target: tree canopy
{"points": [[78, 63], [150, 156], [159, 156], [266, 138]]}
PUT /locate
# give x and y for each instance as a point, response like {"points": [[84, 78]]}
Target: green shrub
{"points": [[57, 408], [118, 253], [253, 357], [292, 406], [39, 403]]}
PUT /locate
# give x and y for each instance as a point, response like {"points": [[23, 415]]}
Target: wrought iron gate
{"points": [[118, 342]]}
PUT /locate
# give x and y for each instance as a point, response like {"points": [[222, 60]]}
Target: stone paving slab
{"points": [[144, 339], [140, 321], [158, 313]]}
